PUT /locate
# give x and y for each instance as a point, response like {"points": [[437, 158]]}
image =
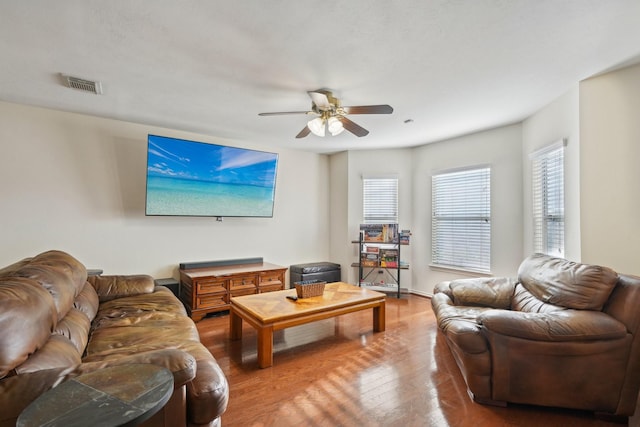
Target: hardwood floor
{"points": [[337, 372]]}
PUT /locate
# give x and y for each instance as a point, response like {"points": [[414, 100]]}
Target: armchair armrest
{"points": [[495, 292], [112, 287], [562, 325]]}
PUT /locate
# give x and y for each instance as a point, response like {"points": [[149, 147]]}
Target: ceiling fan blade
{"points": [[304, 132], [369, 109], [355, 129], [320, 100], [285, 112]]}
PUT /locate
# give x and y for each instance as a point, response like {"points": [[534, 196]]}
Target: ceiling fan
{"points": [[332, 115]]}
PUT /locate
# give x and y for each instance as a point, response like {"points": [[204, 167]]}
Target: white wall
{"points": [[340, 244], [378, 162], [499, 148], [560, 119], [77, 183], [610, 171]]}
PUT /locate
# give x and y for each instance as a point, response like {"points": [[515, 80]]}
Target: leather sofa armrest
{"points": [[111, 286], [562, 325], [459, 323], [443, 288], [207, 394], [181, 363]]}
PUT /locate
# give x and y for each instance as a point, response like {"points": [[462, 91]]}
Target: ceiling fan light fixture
{"points": [[316, 126], [332, 115], [335, 126]]}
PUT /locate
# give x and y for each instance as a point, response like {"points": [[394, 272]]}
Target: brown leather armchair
{"points": [[562, 334]]}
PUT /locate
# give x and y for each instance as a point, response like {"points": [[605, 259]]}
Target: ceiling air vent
{"points": [[84, 85]]}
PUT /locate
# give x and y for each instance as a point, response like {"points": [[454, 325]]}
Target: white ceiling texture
{"points": [[447, 67]]}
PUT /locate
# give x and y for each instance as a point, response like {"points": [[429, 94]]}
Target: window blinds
{"points": [[461, 220], [548, 200], [380, 200]]}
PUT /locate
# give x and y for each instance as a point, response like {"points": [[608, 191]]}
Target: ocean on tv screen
{"points": [[170, 196], [197, 179]]}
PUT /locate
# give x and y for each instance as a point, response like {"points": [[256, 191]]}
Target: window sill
{"points": [[467, 271]]}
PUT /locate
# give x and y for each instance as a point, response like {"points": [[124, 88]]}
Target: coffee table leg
{"points": [[265, 347], [379, 321], [235, 325]]}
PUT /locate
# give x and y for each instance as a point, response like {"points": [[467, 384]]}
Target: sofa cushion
{"points": [[56, 281], [567, 283], [561, 325], [140, 323], [87, 301], [27, 307], [73, 268], [58, 352], [75, 327], [525, 301], [113, 287], [11, 268]]}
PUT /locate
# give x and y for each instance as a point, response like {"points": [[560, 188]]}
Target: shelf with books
{"points": [[379, 253], [379, 233]]}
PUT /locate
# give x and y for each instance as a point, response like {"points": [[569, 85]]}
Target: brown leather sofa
{"points": [[57, 323], [563, 334]]}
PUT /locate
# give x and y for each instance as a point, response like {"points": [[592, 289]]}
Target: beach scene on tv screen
{"points": [[198, 179]]}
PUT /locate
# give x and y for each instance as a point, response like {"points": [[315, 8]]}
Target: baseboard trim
{"points": [[420, 293]]}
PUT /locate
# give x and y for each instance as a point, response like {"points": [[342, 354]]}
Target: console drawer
{"points": [[271, 288], [240, 292], [208, 286], [243, 282], [269, 277], [211, 300]]}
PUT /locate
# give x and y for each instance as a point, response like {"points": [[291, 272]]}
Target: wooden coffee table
{"points": [[272, 311]]}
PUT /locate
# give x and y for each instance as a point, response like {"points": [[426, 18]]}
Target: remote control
{"points": [[292, 297]]}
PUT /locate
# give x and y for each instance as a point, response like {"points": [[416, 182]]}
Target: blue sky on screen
{"points": [[182, 159]]}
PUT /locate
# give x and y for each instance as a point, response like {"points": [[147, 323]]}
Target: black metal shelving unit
{"points": [[365, 271]]}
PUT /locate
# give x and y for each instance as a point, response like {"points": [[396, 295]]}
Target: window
{"points": [[380, 200], [461, 220], [548, 200]]}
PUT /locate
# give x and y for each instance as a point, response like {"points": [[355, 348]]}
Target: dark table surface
{"points": [[123, 395]]}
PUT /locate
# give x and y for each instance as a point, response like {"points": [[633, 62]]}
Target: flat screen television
{"points": [[189, 178]]}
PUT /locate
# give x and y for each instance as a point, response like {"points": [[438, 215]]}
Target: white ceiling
{"points": [[453, 67]]}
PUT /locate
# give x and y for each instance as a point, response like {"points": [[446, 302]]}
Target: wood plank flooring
{"points": [[338, 372]]}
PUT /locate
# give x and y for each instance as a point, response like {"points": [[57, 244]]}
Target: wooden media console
{"points": [[209, 289]]}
